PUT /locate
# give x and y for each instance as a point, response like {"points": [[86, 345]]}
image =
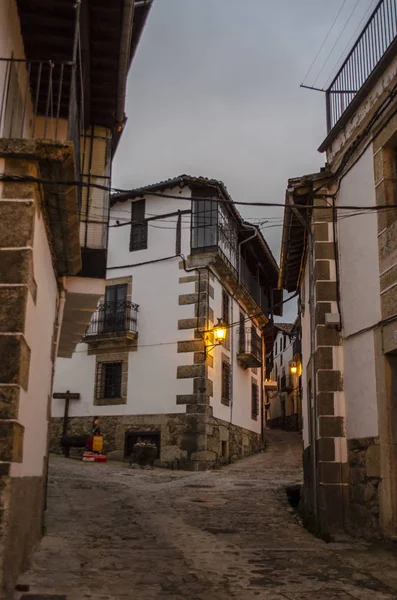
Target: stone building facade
{"points": [[283, 408], [182, 264], [52, 248], [339, 251]]}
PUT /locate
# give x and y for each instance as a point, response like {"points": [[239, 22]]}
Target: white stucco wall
{"points": [[360, 295], [281, 362], [358, 247], [40, 318], [152, 382], [360, 387], [239, 410]]}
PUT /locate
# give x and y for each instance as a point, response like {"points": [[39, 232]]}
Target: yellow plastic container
{"points": [[97, 443]]}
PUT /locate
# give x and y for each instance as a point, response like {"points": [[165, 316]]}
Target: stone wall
{"points": [[293, 422], [194, 440], [24, 526], [364, 478], [172, 429]]}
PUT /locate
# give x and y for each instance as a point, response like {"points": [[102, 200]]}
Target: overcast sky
{"points": [[214, 91]]}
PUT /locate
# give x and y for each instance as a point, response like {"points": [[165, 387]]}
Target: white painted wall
{"points": [[360, 295], [40, 318], [358, 247], [239, 411], [360, 387], [152, 383], [281, 362]]}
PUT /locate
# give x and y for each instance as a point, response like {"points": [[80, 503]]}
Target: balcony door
{"points": [[115, 308]]}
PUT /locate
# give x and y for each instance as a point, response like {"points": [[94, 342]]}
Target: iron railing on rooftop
{"points": [[371, 46]]}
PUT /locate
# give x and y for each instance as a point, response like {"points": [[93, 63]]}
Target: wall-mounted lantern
{"points": [[219, 332]]}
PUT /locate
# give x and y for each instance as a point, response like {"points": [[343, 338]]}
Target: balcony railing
{"points": [[114, 318], [249, 347], [44, 100], [39, 100], [371, 46], [251, 284]]}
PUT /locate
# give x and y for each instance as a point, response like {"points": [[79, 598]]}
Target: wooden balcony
{"points": [[249, 353]]}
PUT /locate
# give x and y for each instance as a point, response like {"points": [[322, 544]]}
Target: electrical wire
{"points": [[229, 326], [325, 40], [27, 179], [337, 40], [343, 54]]}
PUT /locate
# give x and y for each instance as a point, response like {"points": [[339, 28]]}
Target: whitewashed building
{"points": [[178, 261], [339, 250], [283, 407], [63, 72]]}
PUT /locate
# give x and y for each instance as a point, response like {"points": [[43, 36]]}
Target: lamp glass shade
{"points": [[293, 369], [219, 332]]}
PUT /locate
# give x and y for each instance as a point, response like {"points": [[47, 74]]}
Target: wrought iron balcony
{"points": [[249, 348], [372, 48], [113, 320]]}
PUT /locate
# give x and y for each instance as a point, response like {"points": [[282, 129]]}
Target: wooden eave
{"points": [[48, 28]]}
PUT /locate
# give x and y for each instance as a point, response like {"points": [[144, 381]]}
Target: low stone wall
{"points": [[22, 502], [364, 479], [293, 422], [197, 441], [171, 427], [277, 423]]}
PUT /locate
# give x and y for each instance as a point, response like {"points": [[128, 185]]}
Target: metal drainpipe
{"points": [[307, 226]]}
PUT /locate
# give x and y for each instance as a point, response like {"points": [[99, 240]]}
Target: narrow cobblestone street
{"points": [[115, 533]]}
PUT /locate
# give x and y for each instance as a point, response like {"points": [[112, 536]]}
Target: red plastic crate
{"points": [[92, 457]]}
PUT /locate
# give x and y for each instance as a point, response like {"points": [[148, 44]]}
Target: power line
{"points": [[337, 40], [331, 176], [229, 326], [325, 40], [343, 54]]}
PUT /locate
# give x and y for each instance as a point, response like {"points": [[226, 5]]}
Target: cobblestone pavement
{"points": [[115, 533]]}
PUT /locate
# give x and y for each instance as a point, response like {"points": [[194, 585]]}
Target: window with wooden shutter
{"points": [[139, 227]]}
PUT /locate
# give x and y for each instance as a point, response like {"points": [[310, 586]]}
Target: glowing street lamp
{"points": [[293, 368], [220, 331]]}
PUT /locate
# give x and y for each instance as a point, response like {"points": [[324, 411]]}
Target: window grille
{"points": [[225, 307], [109, 380], [254, 401], [226, 382]]}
